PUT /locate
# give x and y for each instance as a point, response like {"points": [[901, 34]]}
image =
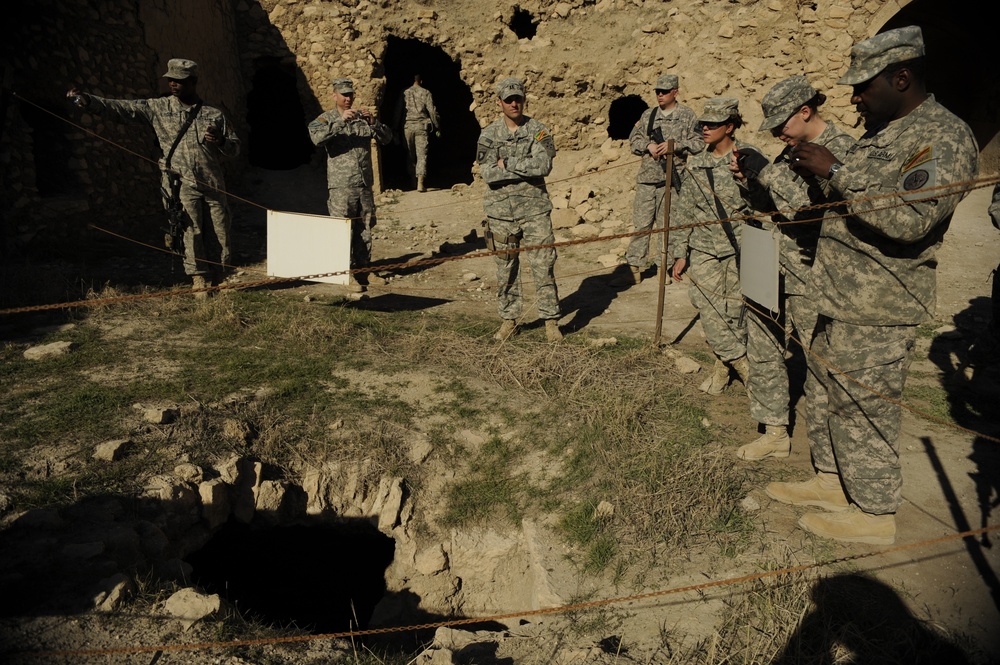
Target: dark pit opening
{"points": [[323, 578], [278, 137], [523, 23], [450, 157], [623, 114]]}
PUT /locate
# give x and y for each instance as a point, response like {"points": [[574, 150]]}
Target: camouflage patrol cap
{"points": [[343, 86], [179, 68], [720, 109], [666, 82], [509, 87], [784, 99], [870, 57]]}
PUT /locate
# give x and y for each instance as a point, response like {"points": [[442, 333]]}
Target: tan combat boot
{"points": [[852, 526], [552, 332], [717, 380], [420, 184], [199, 282], [742, 367], [823, 491], [507, 330], [630, 278], [774, 443]]}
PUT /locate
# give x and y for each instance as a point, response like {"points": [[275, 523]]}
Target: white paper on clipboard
{"points": [[300, 244], [759, 266]]}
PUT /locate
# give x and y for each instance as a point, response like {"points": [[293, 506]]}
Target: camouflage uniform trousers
{"points": [[358, 205], [858, 436], [537, 230], [715, 293], [416, 136], [205, 210], [647, 212], [768, 387]]}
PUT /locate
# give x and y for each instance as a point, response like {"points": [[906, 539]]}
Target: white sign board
{"points": [[300, 245], [759, 266]]}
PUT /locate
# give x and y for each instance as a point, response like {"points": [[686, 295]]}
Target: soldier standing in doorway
{"points": [[418, 118]]}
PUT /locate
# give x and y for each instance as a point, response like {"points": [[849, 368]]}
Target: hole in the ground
{"points": [[523, 23], [278, 136], [449, 158], [325, 578], [623, 114]]}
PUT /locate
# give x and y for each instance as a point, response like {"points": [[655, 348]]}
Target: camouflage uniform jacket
{"points": [[697, 204], [418, 106], [681, 125], [877, 267], [780, 188], [348, 148], [198, 161], [994, 208], [517, 190]]}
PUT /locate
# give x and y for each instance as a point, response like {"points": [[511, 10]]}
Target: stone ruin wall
{"points": [[54, 178], [584, 55]]}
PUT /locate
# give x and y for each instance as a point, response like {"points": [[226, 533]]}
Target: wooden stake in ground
{"points": [[664, 266]]}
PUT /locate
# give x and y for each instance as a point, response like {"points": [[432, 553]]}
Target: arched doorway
{"points": [[959, 47], [278, 136], [450, 157]]}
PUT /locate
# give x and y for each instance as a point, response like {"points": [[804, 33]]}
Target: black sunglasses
{"points": [[713, 125]]}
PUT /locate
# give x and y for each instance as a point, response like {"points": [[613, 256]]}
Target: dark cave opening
{"points": [[623, 114], [278, 137], [523, 23], [450, 157]]}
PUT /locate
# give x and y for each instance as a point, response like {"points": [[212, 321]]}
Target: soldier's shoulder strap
{"points": [[181, 132]]}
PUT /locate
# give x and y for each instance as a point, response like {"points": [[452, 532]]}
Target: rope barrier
{"points": [[731, 581], [932, 193]]}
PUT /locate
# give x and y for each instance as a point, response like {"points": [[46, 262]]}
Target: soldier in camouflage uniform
{"points": [[791, 113], [875, 279], [515, 154], [418, 117], [711, 252], [346, 134], [657, 125], [985, 352], [197, 159]]}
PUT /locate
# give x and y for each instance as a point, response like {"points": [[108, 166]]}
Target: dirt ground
{"points": [[951, 477]]}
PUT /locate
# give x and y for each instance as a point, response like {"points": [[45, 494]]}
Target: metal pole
{"points": [[664, 266]]}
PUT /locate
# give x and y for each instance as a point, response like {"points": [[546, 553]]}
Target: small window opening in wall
{"points": [[523, 23], [623, 114]]}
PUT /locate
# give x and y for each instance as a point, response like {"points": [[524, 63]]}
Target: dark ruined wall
{"points": [[55, 178]]}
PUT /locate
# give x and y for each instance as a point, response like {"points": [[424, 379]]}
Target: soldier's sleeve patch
{"points": [[540, 134], [922, 156], [919, 172]]}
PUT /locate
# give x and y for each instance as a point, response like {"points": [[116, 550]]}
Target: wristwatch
{"points": [[833, 170]]}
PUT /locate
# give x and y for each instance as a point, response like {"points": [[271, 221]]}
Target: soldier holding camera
{"points": [[669, 119], [791, 114], [346, 134]]}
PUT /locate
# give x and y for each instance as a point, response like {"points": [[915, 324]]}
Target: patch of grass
{"points": [[932, 400], [489, 490]]}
